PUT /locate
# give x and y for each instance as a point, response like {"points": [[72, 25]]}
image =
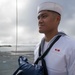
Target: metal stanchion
{"points": [[16, 25]]}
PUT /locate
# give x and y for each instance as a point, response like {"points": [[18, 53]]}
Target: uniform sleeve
{"points": [[71, 65], [36, 53], [72, 69]]}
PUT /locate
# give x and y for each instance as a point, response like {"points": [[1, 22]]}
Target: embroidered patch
{"points": [[57, 50]]}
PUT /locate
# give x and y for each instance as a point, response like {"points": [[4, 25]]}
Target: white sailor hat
{"points": [[50, 6]]}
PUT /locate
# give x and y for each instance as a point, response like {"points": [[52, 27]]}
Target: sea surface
{"points": [[9, 58], [19, 48]]}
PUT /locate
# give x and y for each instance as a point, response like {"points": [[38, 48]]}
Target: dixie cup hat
{"points": [[50, 6]]}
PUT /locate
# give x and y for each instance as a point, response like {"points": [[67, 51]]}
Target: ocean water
{"points": [[19, 48], [9, 61]]}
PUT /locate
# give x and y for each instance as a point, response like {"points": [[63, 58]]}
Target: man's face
{"points": [[46, 21]]}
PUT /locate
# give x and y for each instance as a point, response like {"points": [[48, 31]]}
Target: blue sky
{"points": [[27, 20]]}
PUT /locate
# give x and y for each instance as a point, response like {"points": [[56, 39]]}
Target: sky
{"points": [[27, 26]]}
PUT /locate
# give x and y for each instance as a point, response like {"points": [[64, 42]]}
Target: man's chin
{"points": [[41, 31]]}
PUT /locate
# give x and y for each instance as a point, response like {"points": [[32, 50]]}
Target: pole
{"points": [[16, 24]]}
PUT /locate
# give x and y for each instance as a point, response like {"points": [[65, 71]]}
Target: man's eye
{"points": [[38, 17], [44, 16]]}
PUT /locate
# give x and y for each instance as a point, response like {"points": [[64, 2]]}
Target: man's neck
{"points": [[49, 36]]}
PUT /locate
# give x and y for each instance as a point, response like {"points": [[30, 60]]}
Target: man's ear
{"points": [[58, 18]]}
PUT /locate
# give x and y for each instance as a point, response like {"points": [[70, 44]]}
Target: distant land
{"points": [[5, 46]]}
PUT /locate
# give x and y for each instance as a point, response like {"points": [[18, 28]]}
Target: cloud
{"points": [[68, 25], [27, 20]]}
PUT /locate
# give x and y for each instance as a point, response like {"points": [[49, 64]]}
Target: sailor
{"points": [[60, 60]]}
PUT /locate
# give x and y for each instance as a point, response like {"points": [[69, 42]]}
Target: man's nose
{"points": [[40, 20]]}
